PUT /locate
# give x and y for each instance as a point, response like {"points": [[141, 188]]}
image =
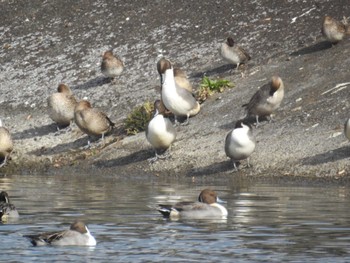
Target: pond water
{"points": [[266, 223]]}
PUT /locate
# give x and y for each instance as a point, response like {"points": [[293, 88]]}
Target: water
{"points": [[266, 222]]}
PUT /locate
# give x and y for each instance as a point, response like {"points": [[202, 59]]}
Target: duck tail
{"points": [[34, 239], [110, 122], [164, 210], [195, 110]]}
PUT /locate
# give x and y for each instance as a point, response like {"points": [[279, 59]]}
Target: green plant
{"points": [[209, 87], [137, 120]]}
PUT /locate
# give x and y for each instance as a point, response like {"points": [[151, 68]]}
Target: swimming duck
{"points": [[233, 53], [240, 143], [111, 65], [266, 100], [7, 210], [207, 207], [61, 106], [6, 145], [77, 235], [92, 121], [178, 100], [160, 132]]}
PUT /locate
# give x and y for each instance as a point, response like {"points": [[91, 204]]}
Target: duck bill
{"points": [[220, 201]]}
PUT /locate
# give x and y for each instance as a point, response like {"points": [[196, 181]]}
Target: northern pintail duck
{"points": [[206, 207], [160, 132], [181, 79], [233, 53], [176, 99], [266, 100], [240, 143], [180, 76], [7, 210], [347, 129], [61, 106], [6, 145], [92, 121], [111, 65], [77, 235], [334, 31]]}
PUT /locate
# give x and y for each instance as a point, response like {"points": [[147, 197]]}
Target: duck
{"points": [[91, 121], [334, 31], [176, 99], [240, 143], [347, 129], [61, 106], [160, 132], [207, 207], [180, 76], [111, 66], [77, 235], [181, 80], [7, 210], [266, 100], [6, 145], [233, 53]]}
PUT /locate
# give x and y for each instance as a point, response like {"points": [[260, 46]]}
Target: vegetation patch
{"points": [[140, 116], [138, 119], [210, 86]]}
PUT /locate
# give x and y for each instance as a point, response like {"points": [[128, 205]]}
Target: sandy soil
{"points": [[44, 43]]}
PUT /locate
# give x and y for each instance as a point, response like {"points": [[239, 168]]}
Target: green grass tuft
{"points": [[209, 87], [138, 119]]}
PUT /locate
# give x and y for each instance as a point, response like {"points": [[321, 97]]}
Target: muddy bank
{"points": [[46, 43]]}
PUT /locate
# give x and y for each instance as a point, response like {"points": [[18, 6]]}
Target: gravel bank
{"points": [[45, 43]]}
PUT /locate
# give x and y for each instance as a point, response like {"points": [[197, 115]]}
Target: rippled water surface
{"points": [[266, 222]]}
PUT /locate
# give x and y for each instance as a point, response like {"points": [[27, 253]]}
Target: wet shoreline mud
{"points": [[47, 43]]}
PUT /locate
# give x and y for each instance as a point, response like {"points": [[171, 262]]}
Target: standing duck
{"points": [[240, 143], [233, 53], [111, 66], [266, 100], [160, 132], [6, 145], [176, 99], [334, 31], [347, 129], [92, 121], [61, 106]]}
